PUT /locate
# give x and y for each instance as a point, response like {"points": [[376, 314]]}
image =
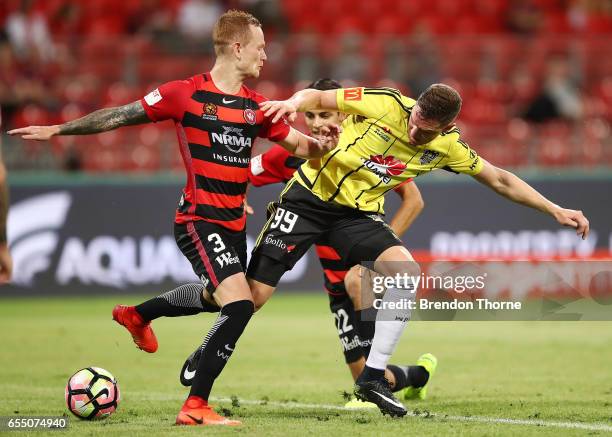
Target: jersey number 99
{"points": [[284, 220]]}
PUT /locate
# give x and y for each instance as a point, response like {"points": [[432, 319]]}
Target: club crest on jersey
{"points": [[232, 139], [428, 156], [384, 166], [209, 111], [249, 116]]}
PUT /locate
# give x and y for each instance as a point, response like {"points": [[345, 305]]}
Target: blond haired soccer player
{"points": [[387, 139], [217, 118]]}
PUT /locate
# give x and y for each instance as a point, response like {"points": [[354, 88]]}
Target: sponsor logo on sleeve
{"points": [[257, 167], [353, 94], [153, 97], [474, 164]]}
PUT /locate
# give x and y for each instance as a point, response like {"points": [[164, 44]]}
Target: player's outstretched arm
{"points": [[410, 208], [98, 121], [303, 146], [302, 101], [514, 188]]}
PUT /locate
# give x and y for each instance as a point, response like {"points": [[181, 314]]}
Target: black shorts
{"points": [[214, 252], [299, 219]]}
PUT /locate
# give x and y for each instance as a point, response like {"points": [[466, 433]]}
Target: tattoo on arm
{"points": [[106, 119]]}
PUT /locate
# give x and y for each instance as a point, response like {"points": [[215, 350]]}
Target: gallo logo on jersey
{"points": [[232, 139], [384, 166], [33, 236]]}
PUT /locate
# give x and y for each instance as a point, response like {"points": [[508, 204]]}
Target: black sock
{"points": [[401, 377], [417, 376], [348, 328], [184, 300], [219, 345], [366, 320], [370, 373]]}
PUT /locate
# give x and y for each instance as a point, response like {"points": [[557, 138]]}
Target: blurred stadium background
{"points": [[535, 75]]}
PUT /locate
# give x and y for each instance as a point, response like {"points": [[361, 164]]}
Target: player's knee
{"points": [[352, 282], [258, 303], [403, 268], [260, 293], [240, 309]]}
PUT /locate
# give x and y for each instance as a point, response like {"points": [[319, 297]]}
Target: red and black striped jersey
{"points": [[215, 132]]}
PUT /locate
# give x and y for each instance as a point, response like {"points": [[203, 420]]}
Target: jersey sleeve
{"points": [[397, 189], [168, 101], [269, 167], [275, 132], [368, 102], [462, 159]]}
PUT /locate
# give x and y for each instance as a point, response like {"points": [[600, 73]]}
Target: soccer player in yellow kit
{"points": [[387, 138]]}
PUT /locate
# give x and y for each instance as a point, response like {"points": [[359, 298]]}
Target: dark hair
{"points": [[440, 102], [325, 84], [233, 26]]}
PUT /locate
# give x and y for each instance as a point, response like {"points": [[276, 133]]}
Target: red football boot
{"points": [[196, 411], [142, 333]]}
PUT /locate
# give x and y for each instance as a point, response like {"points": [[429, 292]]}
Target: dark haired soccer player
{"points": [[388, 139], [343, 283], [217, 119]]}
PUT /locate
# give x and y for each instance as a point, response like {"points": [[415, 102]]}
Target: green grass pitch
{"points": [[288, 373]]}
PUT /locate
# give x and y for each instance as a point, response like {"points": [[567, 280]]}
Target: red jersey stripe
{"points": [[184, 148], [221, 172], [335, 275], [230, 115], [197, 136], [234, 225], [219, 200], [327, 252]]}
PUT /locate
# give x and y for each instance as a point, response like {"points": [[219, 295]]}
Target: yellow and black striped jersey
{"points": [[374, 155]]}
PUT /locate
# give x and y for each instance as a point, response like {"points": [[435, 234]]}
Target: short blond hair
{"points": [[232, 26]]}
